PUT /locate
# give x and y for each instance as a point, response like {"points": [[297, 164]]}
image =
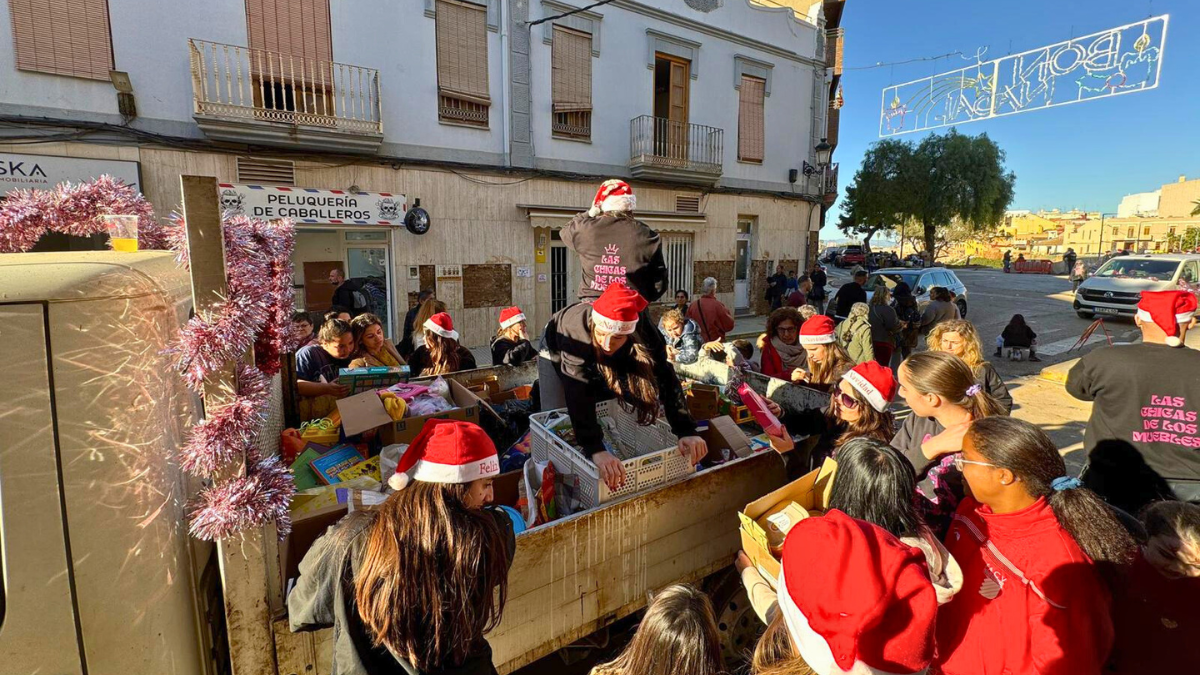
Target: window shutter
{"points": [[751, 132], [462, 58], [571, 70], [296, 28], [62, 37]]}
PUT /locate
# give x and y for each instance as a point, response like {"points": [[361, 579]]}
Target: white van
{"points": [[1114, 289]]}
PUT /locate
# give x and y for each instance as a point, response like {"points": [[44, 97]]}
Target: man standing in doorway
{"points": [[1142, 440], [346, 293]]}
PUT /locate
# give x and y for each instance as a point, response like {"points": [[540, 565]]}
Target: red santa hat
{"points": [[1167, 309], [613, 195], [855, 599], [817, 331], [447, 451], [616, 311], [875, 382], [511, 316], [441, 324]]}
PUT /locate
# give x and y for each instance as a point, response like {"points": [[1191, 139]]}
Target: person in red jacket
{"points": [[1030, 541]]}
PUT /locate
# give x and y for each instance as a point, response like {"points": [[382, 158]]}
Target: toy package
{"points": [[762, 414], [329, 465], [367, 379]]}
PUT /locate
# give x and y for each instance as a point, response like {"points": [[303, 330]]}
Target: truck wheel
{"points": [[962, 308], [737, 624]]}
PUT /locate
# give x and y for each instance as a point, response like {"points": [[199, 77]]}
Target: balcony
{"points": [[830, 190], [260, 97], [665, 150], [833, 121], [833, 50]]}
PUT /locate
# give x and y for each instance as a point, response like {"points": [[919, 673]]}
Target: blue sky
{"points": [[1086, 155]]}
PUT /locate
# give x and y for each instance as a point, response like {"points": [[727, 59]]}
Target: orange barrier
{"points": [[1032, 266]]}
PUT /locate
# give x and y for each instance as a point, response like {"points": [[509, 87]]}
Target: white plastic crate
{"points": [[650, 455]]}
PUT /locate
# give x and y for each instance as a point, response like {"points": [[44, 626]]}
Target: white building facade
{"points": [[500, 116]]}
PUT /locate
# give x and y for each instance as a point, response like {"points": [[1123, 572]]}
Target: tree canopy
{"points": [[947, 178]]}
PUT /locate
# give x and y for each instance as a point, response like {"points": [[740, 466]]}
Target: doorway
{"points": [[672, 76], [368, 264], [365, 255], [565, 274], [741, 264]]}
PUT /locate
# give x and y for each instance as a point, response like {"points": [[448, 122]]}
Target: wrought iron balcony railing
{"points": [[671, 149]]}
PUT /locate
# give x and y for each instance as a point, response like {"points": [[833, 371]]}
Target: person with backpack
{"points": [[816, 297], [1031, 542], [347, 293]]}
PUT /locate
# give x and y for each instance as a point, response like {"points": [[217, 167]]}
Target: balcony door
{"points": [[290, 59], [671, 91]]}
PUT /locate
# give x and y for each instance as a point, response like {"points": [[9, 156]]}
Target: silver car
{"points": [[1115, 288], [920, 281]]}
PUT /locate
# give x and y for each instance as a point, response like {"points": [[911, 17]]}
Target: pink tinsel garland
{"points": [[255, 313], [76, 209]]}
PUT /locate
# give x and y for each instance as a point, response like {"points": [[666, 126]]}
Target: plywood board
{"points": [[487, 286], [721, 270], [428, 276], [758, 285]]}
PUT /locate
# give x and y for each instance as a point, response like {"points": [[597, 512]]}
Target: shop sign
{"points": [[43, 172], [310, 205]]}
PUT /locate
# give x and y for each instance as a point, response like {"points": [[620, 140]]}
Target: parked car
{"points": [[920, 281], [1116, 287], [829, 255], [851, 255]]}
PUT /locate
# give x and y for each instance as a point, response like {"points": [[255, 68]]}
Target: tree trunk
{"points": [[930, 231], [867, 239]]}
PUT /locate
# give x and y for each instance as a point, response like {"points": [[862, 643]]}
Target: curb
{"points": [[1058, 372]]}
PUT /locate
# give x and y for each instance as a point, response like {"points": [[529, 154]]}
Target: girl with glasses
{"points": [[1031, 542]]}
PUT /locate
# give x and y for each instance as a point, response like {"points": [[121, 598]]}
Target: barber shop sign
{"points": [[310, 205]]}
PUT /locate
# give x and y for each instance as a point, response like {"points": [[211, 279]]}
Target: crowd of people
{"points": [[956, 542]]}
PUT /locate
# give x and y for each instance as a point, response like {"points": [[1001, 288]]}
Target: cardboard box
{"points": [[703, 400], [405, 430], [721, 435], [521, 393], [305, 530], [810, 491]]}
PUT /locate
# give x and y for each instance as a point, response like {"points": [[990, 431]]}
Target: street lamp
{"points": [[823, 151]]}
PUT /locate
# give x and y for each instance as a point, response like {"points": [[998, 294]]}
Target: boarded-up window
{"points": [[486, 286], [62, 37], [462, 62], [751, 134], [571, 83], [677, 253]]}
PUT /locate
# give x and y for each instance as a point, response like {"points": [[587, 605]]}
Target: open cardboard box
{"points": [[811, 491], [405, 430]]}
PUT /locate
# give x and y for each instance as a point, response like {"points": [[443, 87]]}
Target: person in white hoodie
{"points": [[875, 483]]}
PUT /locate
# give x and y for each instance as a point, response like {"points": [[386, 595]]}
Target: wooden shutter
{"points": [[571, 70], [297, 28], [751, 128], [462, 58], [678, 106], [62, 37]]}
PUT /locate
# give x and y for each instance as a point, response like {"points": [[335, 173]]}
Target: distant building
{"points": [[1140, 205]]}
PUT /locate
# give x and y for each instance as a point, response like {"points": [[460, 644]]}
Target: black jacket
{"points": [[568, 343], [848, 294], [324, 597], [505, 352], [420, 360], [614, 249], [344, 296], [406, 345], [819, 280]]}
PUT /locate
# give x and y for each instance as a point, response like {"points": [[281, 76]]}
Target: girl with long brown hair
{"points": [[413, 586], [374, 350], [441, 352], [677, 636], [858, 408], [944, 397], [826, 359], [511, 346], [607, 350], [424, 312]]}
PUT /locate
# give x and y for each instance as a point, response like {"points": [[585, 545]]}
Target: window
{"points": [[571, 83], [751, 135], [1189, 273], [62, 37], [1171, 231], [462, 64], [1114, 232], [1131, 231], [293, 66], [677, 252], [1146, 231]]}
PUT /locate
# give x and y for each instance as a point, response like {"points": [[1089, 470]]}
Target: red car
{"points": [[851, 255]]}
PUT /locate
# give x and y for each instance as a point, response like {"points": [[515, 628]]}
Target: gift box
{"points": [[370, 379]]}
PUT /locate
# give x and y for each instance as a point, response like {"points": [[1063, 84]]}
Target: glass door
{"points": [[369, 266], [741, 266]]}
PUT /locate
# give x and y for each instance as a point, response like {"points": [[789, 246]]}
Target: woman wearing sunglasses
{"points": [[1031, 541], [857, 409]]}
